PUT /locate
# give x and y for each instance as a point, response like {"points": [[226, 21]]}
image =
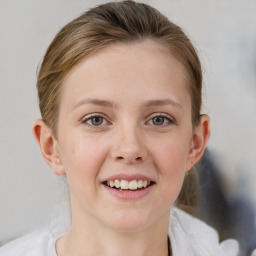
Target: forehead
{"points": [[144, 68]]}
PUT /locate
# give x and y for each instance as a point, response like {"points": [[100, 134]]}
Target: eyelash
{"points": [[90, 117], [169, 119]]}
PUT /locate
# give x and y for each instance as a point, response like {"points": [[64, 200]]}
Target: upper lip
{"points": [[128, 177]]}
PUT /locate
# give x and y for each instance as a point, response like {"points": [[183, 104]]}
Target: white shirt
{"points": [[189, 237]]}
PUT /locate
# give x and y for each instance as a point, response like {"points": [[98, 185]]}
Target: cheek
{"points": [[171, 160], [82, 160], [172, 168], [171, 156]]}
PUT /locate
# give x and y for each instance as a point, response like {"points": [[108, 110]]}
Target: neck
{"points": [[114, 245], [88, 238]]}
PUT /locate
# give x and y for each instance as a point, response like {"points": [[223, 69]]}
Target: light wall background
{"points": [[224, 33]]}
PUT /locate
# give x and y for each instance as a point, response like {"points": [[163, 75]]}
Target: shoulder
{"points": [[203, 239], [33, 244]]}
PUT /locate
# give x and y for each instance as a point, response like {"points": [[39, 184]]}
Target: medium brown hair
{"points": [[114, 22]]}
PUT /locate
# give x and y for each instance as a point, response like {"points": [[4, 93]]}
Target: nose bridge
{"points": [[128, 144]]}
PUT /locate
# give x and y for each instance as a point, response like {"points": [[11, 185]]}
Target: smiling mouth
{"points": [[125, 185]]}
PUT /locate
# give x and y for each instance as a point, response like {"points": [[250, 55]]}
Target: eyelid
{"points": [[89, 116], [150, 117], [167, 116]]}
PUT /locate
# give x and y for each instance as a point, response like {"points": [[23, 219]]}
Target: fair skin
{"points": [[125, 114]]}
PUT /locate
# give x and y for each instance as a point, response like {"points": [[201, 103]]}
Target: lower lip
{"points": [[129, 195]]}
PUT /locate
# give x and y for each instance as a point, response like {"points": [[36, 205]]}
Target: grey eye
{"points": [[96, 120], [158, 120]]}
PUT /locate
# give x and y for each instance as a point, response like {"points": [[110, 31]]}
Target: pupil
{"points": [[97, 120], [158, 120]]}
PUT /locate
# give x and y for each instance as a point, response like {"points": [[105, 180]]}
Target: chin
{"points": [[131, 221]]}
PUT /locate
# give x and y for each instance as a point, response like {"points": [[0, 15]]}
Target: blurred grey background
{"points": [[224, 32]]}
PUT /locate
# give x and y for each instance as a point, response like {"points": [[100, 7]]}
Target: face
{"points": [[125, 135]]}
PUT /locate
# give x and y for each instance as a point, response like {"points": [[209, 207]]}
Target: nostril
{"points": [[139, 158]]}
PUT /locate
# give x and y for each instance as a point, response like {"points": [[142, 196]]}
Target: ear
{"points": [[200, 138], [49, 146]]}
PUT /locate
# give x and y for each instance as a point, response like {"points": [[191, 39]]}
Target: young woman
{"points": [[120, 97]]}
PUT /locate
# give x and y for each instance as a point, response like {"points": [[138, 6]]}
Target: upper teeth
{"points": [[125, 184]]}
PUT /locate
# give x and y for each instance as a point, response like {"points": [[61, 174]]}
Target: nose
{"points": [[129, 147]]}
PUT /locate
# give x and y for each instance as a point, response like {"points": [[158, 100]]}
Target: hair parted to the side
{"points": [[114, 22]]}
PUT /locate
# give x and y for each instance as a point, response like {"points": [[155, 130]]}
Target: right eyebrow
{"points": [[99, 102]]}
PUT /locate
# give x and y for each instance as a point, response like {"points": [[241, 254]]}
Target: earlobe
{"points": [[199, 141], [48, 146]]}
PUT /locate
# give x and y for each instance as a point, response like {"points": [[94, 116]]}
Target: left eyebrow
{"points": [[163, 102]]}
